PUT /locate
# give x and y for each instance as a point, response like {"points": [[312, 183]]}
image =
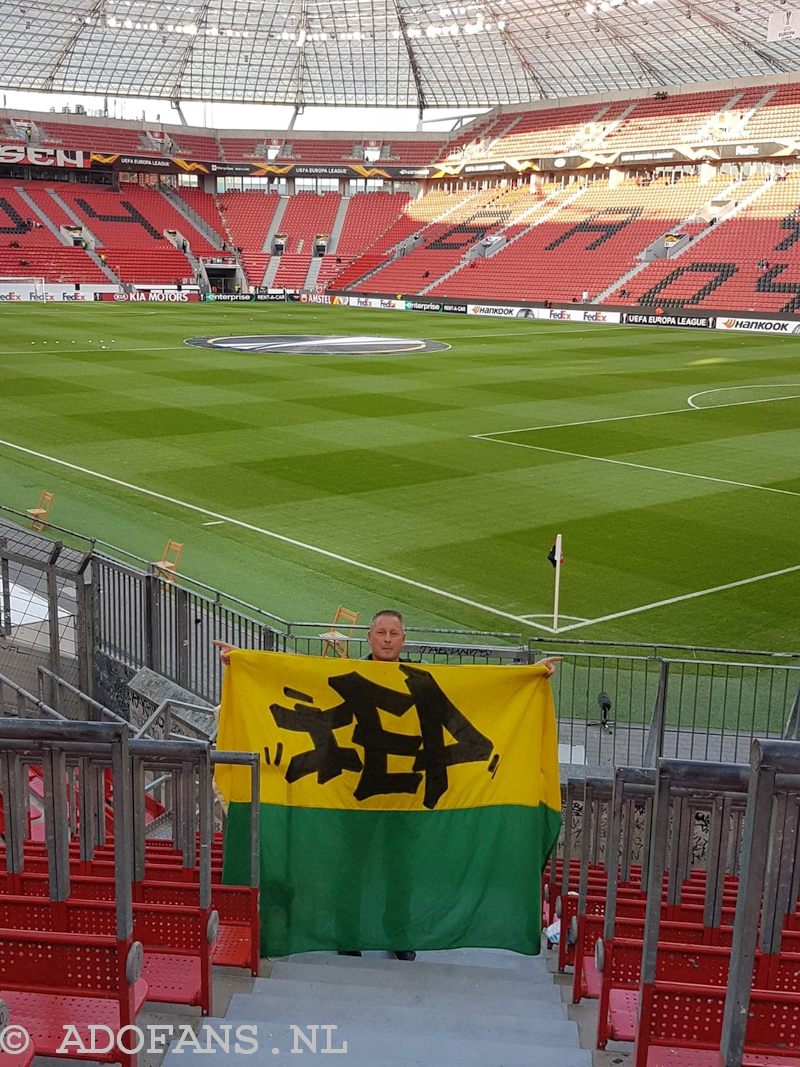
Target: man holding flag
{"points": [[400, 804]]}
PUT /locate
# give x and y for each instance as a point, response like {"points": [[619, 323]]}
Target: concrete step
{"points": [[427, 977], [507, 1000], [368, 1050], [545, 1024], [496, 960]]}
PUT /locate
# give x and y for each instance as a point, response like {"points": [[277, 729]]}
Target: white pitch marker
{"points": [[214, 522]]}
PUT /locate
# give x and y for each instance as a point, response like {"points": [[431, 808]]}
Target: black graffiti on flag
{"points": [[362, 702]]}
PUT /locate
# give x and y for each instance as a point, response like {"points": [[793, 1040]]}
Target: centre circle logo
{"points": [[313, 344]]}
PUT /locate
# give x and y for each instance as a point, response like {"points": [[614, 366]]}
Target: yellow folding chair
{"points": [[167, 566], [337, 643], [40, 513]]}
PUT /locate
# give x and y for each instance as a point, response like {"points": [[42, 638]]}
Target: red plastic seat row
{"points": [[238, 942]]}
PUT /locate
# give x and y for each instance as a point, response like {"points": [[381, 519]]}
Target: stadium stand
{"points": [[440, 244], [748, 261], [592, 239], [246, 218], [316, 150], [549, 130], [129, 226], [205, 205], [411, 153], [369, 216], [37, 250], [307, 215], [486, 238], [778, 117], [242, 148], [95, 136], [310, 149], [675, 120], [194, 146]]}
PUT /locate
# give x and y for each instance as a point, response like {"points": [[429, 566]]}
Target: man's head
{"points": [[386, 636]]}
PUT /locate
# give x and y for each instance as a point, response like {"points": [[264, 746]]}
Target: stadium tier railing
{"points": [[616, 704]]}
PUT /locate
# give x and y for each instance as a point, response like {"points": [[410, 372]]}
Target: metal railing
{"points": [[616, 704]]}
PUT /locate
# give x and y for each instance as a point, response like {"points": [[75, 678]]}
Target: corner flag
{"points": [[556, 557]]}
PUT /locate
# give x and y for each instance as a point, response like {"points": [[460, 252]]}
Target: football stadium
{"points": [[399, 444]]}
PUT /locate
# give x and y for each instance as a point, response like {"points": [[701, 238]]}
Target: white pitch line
{"points": [[644, 467], [579, 619], [644, 415], [278, 537], [685, 596], [734, 388], [214, 522]]}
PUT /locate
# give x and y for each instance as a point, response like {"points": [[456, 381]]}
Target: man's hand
{"points": [[550, 663], [224, 651]]}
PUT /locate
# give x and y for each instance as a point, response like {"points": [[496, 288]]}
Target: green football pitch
{"points": [[668, 459]]}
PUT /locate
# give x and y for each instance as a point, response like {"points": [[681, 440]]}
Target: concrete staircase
{"points": [[271, 271], [277, 218], [198, 223], [36, 212], [310, 284], [338, 225], [466, 1007]]}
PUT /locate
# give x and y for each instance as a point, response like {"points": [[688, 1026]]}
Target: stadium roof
{"points": [[388, 53]]}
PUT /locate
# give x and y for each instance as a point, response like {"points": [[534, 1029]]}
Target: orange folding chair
{"points": [[167, 566], [40, 513], [337, 643]]}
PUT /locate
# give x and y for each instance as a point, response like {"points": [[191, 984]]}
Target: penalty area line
{"points": [[283, 538], [644, 414], [642, 467]]}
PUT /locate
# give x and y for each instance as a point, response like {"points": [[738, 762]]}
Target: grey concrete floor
{"points": [[585, 1015], [228, 981]]}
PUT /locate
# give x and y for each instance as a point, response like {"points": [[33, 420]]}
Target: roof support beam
{"points": [[412, 59], [183, 62], [744, 42], [66, 51], [513, 48]]}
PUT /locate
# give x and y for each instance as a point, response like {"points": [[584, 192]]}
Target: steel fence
{"points": [[616, 705]]}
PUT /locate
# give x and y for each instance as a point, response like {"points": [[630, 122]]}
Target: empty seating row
{"points": [[690, 983], [116, 936]]}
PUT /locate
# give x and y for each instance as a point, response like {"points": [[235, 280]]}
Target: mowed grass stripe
{"points": [[372, 458]]}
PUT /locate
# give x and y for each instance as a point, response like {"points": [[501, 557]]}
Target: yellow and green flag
{"points": [[403, 805]]}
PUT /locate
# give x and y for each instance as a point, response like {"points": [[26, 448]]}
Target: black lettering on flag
{"points": [[603, 222], [437, 713], [132, 216], [721, 271], [364, 700], [767, 284], [327, 758], [362, 703]]}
